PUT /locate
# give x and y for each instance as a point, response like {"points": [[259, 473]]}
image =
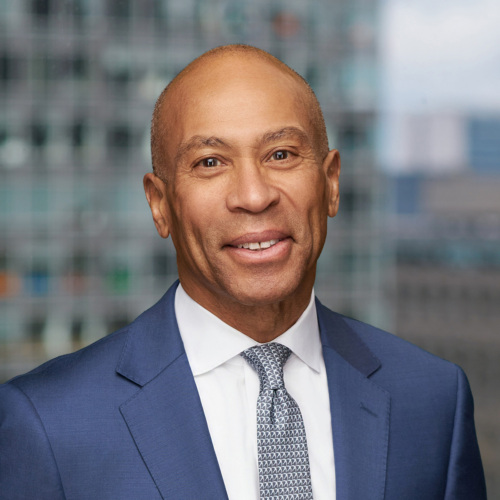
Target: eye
{"points": [[282, 154], [209, 162]]}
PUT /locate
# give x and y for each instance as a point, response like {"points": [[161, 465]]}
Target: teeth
{"points": [[259, 246]]}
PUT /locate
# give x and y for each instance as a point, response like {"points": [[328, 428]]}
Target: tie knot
{"points": [[268, 360]]}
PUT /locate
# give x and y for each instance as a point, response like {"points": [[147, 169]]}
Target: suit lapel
{"points": [[165, 417], [360, 411]]}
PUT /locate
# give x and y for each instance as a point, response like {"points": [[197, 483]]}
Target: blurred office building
{"points": [[79, 254], [445, 230]]}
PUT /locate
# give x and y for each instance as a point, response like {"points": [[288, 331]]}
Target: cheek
{"points": [[308, 198], [199, 221]]}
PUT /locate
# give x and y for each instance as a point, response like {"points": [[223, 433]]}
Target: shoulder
{"points": [[91, 365], [96, 365], [396, 353], [402, 366]]}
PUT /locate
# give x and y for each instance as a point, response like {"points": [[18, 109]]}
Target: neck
{"points": [[261, 322]]}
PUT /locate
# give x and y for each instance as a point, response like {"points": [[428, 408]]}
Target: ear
{"points": [[156, 194], [331, 167]]}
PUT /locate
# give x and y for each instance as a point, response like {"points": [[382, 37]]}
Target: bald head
{"points": [[177, 93]]}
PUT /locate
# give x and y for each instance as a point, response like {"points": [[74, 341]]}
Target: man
{"points": [[182, 404]]}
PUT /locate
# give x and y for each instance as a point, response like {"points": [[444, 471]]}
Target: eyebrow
{"points": [[286, 132], [199, 141]]}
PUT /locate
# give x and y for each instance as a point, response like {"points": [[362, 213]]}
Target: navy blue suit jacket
{"points": [[122, 419]]}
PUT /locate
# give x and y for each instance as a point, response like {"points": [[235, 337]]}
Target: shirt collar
{"points": [[209, 342]]}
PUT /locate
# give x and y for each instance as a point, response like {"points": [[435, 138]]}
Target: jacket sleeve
{"points": [[465, 478], [27, 465]]}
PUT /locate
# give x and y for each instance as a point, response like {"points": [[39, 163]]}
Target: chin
{"points": [[263, 292]]}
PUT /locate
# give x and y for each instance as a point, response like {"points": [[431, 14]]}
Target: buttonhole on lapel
{"points": [[363, 407]]}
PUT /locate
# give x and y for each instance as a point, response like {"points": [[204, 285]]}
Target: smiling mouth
{"points": [[262, 245]]}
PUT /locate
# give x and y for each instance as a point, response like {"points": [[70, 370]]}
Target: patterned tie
{"points": [[281, 438]]}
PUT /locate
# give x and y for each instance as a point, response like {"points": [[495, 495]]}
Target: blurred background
{"points": [[411, 95]]}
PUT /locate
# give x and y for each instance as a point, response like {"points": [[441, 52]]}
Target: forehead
{"points": [[234, 96]]}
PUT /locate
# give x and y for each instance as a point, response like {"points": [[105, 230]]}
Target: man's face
{"points": [[246, 197]]}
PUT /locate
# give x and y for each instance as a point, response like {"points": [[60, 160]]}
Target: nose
{"points": [[251, 188]]}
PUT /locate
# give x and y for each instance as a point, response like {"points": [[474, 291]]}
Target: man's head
{"points": [[243, 180]]}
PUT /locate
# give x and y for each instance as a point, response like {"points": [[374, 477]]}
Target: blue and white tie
{"points": [[284, 472]]}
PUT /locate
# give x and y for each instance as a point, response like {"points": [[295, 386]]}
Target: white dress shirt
{"points": [[229, 387]]}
